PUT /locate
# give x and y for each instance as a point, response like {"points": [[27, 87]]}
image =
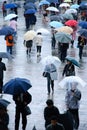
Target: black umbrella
{"points": [[4, 103]]}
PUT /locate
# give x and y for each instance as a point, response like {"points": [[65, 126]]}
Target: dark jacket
{"points": [[58, 126], [81, 41], [49, 112], [2, 68], [69, 70], [22, 99]]}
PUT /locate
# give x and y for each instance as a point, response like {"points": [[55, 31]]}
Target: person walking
{"points": [[4, 10], [49, 111], [69, 69], [81, 42], [51, 71], [2, 68], [55, 125], [38, 41], [72, 98], [9, 43], [21, 101]]}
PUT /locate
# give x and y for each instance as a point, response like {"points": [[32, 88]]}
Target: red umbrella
{"points": [[71, 23]]}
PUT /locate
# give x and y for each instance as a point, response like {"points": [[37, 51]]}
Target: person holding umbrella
{"points": [[21, 101], [4, 8]]}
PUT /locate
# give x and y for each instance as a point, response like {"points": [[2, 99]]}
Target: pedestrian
{"points": [[21, 101], [81, 43], [4, 118], [49, 111], [33, 20], [2, 68], [72, 99], [28, 45], [55, 125], [53, 40], [63, 50], [9, 43], [69, 69], [38, 41], [51, 71], [4, 10]]}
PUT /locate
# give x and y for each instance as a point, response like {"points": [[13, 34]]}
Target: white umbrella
{"points": [[43, 31], [50, 60], [71, 79], [29, 35], [52, 9], [64, 5], [10, 16], [71, 11]]}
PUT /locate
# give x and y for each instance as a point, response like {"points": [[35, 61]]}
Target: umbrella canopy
{"points": [[83, 6], [56, 18], [30, 11], [67, 1], [43, 31], [10, 16], [55, 24], [52, 9], [6, 30], [30, 5], [4, 103], [29, 35], [44, 2], [64, 5], [5, 55], [83, 24], [10, 5], [83, 33], [74, 6], [16, 86], [33, 1], [67, 81], [63, 37], [50, 60], [71, 11], [67, 16], [65, 29], [71, 23], [73, 60]]}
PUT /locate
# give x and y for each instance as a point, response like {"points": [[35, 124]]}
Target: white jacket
{"points": [[38, 40]]}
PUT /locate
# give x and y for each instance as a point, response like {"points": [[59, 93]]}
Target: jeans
{"points": [[9, 49], [80, 51], [50, 82]]}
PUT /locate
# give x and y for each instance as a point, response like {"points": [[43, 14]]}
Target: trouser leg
{"points": [[48, 84], [52, 85], [17, 119], [24, 120], [1, 85]]}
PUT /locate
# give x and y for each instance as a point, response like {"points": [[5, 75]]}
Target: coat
{"points": [[58, 126], [2, 68], [7, 40], [38, 40]]}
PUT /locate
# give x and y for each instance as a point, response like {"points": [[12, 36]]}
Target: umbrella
{"points": [[30, 5], [29, 35], [30, 11], [83, 24], [65, 29], [83, 6], [55, 24], [10, 16], [67, 1], [71, 23], [16, 86], [67, 81], [71, 11], [44, 2], [10, 5], [63, 37], [43, 31], [73, 60], [4, 103], [64, 5], [50, 60], [74, 6], [6, 30], [83, 33], [67, 16], [56, 18], [5, 55], [52, 9], [27, 1]]}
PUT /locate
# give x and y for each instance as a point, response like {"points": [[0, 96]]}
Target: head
{"points": [[54, 120], [74, 86], [39, 33], [49, 103], [68, 62], [0, 59]]}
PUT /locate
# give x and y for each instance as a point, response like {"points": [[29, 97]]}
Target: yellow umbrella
{"points": [[65, 29], [67, 1], [29, 35]]}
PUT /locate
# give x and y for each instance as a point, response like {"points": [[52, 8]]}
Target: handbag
{"points": [[27, 110], [45, 74]]}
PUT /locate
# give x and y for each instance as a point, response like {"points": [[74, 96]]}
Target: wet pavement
{"points": [[31, 68]]}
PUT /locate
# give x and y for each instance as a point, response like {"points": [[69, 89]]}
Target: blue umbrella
{"points": [[33, 1], [83, 5], [74, 6], [10, 5], [6, 30], [30, 5], [83, 32], [4, 103], [71, 59], [30, 11], [5, 55], [83, 24], [55, 24], [44, 2], [16, 86]]}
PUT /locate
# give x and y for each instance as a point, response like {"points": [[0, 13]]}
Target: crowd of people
{"points": [[54, 120]]}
